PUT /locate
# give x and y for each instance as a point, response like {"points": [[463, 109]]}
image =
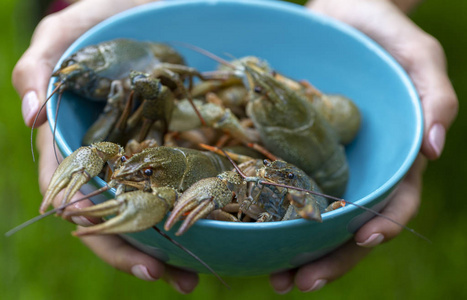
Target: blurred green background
{"points": [[45, 262]]}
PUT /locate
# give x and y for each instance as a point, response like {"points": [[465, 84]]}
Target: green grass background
{"points": [[45, 262]]}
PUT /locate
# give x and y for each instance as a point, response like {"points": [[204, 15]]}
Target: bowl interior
{"points": [[330, 55]]}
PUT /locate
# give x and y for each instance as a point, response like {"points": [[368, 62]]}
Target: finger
{"points": [[316, 275], [122, 256], [401, 208], [282, 282], [32, 72], [182, 281], [425, 64], [47, 161]]}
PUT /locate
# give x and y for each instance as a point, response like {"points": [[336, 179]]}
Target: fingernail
{"points": [[142, 272], [30, 106], [82, 221], [284, 291], [374, 240], [436, 138], [319, 284], [176, 286]]}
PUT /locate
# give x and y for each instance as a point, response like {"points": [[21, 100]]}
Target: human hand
{"points": [[423, 59], [30, 76]]}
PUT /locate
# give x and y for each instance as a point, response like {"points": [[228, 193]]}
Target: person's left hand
{"points": [[423, 59]]}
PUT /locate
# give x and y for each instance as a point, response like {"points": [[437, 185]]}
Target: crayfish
{"points": [[156, 111], [151, 104]]}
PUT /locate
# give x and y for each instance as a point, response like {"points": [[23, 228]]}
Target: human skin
{"points": [[423, 58], [384, 21]]}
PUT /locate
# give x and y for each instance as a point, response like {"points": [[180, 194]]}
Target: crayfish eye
{"points": [[69, 62], [148, 172], [258, 89], [124, 158], [138, 77], [267, 162], [290, 175]]}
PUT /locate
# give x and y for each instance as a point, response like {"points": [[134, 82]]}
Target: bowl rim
{"points": [[293, 9]]}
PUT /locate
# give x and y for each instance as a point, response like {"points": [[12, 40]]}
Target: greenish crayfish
{"points": [[155, 109]]}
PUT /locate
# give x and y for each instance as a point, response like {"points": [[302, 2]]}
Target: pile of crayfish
{"points": [[241, 143]]}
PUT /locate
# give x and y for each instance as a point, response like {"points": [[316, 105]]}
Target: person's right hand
{"points": [[30, 77]]}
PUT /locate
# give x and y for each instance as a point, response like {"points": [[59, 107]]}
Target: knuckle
{"points": [[452, 104], [20, 71], [432, 45], [49, 23], [118, 262], [421, 48], [416, 207]]}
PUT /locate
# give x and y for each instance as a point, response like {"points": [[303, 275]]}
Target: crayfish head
{"points": [[158, 166], [284, 173], [79, 74], [272, 102]]}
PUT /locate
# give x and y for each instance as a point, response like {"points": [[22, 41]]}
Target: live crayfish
{"points": [[163, 176], [304, 128], [277, 109], [286, 120], [91, 70], [102, 72], [164, 197]]}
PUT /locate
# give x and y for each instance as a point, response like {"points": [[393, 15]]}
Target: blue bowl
{"points": [[298, 43]]}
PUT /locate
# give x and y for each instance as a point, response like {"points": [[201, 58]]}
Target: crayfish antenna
{"points": [[234, 164], [205, 53], [192, 255], [55, 127], [262, 150], [55, 210], [238, 157], [348, 202], [389, 219], [37, 116], [330, 197]]}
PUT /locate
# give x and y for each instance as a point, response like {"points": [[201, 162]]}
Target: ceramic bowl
{"points": [[300, 44]]}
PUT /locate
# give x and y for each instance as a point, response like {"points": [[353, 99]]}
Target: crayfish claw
{"points": [[306, 205], [204, 208], [135, 211], [311, 212], [200, 200], [77, 169], [101, 210]]}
